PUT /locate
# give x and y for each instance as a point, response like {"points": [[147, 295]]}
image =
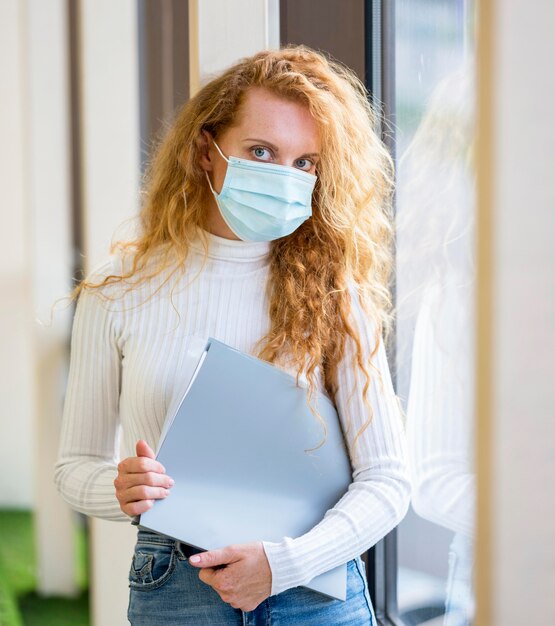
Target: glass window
{"points": [[435, 205]]}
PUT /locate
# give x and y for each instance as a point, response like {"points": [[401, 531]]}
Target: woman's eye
{"points": [[259, 152], [265, 154], [304, 164]]}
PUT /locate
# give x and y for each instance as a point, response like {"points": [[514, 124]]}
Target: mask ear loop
{"points": [[218, 147], [206, 173], [209, 183]]}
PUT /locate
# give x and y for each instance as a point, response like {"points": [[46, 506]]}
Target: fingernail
{"points": [[195, 558], [172, 481]]}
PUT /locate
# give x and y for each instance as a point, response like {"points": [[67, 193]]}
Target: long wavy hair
{"points": [[346, 243]]}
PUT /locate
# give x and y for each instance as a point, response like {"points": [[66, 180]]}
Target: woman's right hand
{"points": [[141, 479]]}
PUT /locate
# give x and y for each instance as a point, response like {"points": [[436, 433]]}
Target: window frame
{"points": [[379, 49]]}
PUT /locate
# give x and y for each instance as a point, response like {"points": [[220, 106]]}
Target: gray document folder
{"points": [[234, 441]]}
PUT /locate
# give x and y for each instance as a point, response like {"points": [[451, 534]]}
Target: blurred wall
{"points": [[16, 361], [37, 260], [516, 314]]}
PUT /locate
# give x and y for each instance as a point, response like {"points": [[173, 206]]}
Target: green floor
{"points": [[19, 603]]}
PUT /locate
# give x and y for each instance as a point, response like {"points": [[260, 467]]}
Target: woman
{"points": [[267, 203]]}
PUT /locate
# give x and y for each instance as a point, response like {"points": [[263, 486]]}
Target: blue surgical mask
{"points": [[263, 201]]}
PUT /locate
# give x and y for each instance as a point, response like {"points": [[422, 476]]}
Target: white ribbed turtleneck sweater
{"points": [[124, 357]]}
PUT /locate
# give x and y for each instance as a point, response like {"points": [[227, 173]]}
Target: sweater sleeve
{"points": [[379, 495], [439, 414], [88, 452]]}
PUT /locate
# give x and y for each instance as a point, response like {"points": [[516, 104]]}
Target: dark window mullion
{"points": [[380, 81]]}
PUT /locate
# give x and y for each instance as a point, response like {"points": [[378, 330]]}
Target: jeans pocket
{"points": [[152, 564]]}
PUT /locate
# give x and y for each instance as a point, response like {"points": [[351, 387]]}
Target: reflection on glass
{"points": [[435, 300]]}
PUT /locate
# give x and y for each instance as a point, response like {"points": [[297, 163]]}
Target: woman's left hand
{"points": [[246, 578]]}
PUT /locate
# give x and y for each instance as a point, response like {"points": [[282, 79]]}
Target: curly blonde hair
{"points": [[348, 240]]}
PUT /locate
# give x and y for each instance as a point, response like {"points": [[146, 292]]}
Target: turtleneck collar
{"points": [[223, 252]]}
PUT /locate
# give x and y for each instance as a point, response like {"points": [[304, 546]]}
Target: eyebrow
{"points": [[276, 149]]}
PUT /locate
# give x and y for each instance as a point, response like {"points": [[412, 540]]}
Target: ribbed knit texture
{"points": [[125, 355], [440, 425]]}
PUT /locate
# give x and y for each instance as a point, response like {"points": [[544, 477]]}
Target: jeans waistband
{"points": [[153, 537]]}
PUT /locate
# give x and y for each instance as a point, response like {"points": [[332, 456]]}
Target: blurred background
{"points": [[465, 90]]}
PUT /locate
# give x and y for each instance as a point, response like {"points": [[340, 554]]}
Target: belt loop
{"points": [[178, 549]]}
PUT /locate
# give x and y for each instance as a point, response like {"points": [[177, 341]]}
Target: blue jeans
{"points": [[164, 590]]}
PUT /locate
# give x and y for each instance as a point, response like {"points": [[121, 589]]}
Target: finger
{"points": [[153, 479], [143, 449], [141, 464], [144, 492], [211, 558], [207, 575], [137, 508]]}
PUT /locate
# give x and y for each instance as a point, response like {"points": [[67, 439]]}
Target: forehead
{"points": [[263, 114]]}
